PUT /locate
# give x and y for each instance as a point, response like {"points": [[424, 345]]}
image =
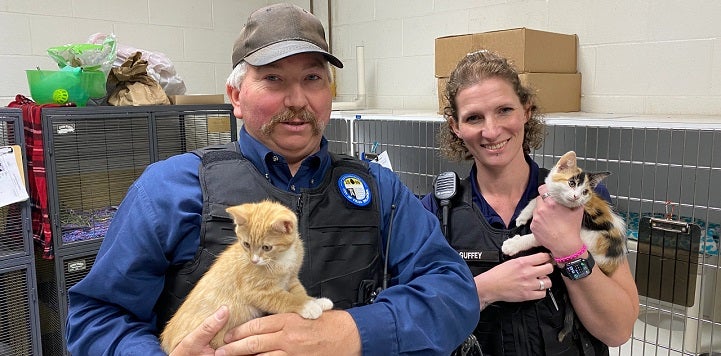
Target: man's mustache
{"points": [[289, 115]]}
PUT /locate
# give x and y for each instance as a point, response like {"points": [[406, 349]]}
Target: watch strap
{"points": [[578, 268]]}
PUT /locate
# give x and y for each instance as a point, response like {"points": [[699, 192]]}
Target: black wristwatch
{"points": [[578, 268]]}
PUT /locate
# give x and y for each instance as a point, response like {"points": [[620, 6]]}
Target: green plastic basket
{"points": [[61, 87]]}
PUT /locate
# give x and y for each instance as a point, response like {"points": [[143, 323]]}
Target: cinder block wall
{"points": [[639, 57]]}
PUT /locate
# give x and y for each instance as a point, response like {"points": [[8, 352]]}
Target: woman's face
{"points": [[490, 122]]}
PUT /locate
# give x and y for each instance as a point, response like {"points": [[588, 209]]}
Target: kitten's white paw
{"points": [[311, 310], [526, 214], [512, 246], [324, 303]]}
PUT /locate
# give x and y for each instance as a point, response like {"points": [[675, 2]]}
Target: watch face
{"points": [[577, 269]]}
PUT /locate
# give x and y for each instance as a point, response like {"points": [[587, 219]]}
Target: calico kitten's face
{"points": [[266, 232], [569, 184]]}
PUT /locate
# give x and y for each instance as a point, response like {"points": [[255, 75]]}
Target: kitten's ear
{"points": [[284, 226], [597, 177], [568, 160], [238, 213]]}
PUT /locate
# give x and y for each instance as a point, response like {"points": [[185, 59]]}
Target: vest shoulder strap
{"points": [[542, 174], [221, 152], [344, 159]]}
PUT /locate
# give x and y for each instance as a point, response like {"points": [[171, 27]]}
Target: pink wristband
{"points": [[572, 257]]}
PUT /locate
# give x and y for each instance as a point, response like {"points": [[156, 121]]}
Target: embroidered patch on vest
{"points": [[354, 189]]}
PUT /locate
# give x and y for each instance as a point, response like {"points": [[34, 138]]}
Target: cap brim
{"points": [[280, 50]]}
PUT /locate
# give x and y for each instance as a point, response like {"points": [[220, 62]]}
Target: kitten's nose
{"points": [[255, 259]]}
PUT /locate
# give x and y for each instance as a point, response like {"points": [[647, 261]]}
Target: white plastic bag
{"points": [[159, 68]]}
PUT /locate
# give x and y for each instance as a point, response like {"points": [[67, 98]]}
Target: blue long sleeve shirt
{"points": [[430, 306]]}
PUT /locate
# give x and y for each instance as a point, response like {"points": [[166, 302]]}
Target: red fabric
{"points": [[32, 123]]}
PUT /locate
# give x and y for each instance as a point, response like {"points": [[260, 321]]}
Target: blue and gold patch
{"points": [[354, 189]]}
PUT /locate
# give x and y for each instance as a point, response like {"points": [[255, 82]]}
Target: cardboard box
{"points": [[529, 50], [555, 92], [442, 102], [218, 124], [197, 99]]}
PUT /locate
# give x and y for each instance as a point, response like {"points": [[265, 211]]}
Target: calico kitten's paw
{"points": [[324, 303], [526, 214], [311, 310], [512, 246]]}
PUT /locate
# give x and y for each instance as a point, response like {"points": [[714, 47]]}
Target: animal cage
{"points": [[664, 170], [91, 156], [338, 134], [19, 318], [14, 218], [54, 278]]}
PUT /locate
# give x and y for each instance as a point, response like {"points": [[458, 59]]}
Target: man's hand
{"points": [[198, 341], [334, 333]]}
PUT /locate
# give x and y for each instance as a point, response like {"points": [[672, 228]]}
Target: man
{"points": [[172, 224]]}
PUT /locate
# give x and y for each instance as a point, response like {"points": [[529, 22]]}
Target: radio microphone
{"points": [[444, 188]]}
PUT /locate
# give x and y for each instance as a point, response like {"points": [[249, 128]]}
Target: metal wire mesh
{"points": [[55, 277], [94, 155], [15, 315]]}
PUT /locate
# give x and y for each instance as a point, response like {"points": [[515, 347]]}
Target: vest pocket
{"points": [[345, 258]]}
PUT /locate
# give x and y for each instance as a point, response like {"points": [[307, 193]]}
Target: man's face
{"points": [[286, 104]]}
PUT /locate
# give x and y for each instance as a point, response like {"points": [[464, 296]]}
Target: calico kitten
{"points": [[602, 230], [255, 276]]}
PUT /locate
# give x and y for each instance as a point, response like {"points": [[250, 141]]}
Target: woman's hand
{"points": [[555, 226], [516, 280]]}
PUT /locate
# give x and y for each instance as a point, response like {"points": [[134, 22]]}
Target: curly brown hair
{"points": [[472, 69]]}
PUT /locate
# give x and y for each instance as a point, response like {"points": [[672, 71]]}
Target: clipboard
{"points": [[12, 176], [667, 260]]}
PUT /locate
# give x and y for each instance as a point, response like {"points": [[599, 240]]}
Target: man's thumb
{"points": [[212, 324]]}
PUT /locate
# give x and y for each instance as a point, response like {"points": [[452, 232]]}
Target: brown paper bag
{"points": [[132, 86]]}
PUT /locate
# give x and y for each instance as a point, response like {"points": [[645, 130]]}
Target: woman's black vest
{"points": [[506, 328], [342, 240]]}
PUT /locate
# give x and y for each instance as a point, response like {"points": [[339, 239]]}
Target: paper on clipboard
{"points": [[12, 182]]}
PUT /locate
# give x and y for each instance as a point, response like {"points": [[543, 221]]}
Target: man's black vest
{"points": [[507, 328], [341, 240]]}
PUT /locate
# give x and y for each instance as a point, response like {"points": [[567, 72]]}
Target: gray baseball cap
{"points": [[278, 31]]}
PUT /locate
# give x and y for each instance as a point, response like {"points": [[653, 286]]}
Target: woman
{"points": [[492, 120]]}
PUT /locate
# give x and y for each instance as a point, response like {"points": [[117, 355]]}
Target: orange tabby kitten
{"points": [[256, 276]]}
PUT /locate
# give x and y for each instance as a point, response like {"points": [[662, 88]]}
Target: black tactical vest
{"points": [[507, 328], [342, 240]]}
